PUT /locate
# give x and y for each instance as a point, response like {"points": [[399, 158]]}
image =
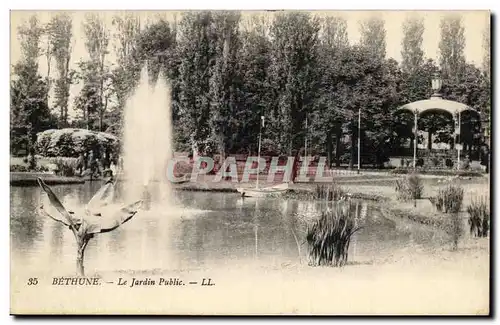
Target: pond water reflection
{"points": [[216, 230]]}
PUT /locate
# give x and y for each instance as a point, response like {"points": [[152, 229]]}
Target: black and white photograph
{"points": [[238, 162]]}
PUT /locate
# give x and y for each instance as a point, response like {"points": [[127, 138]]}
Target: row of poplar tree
{"points": [[227, 69]]}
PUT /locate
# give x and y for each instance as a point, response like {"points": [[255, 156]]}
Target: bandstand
{"points": [[437, 103]]}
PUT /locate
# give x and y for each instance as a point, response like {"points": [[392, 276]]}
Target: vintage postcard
{"points": [[250, 162]]}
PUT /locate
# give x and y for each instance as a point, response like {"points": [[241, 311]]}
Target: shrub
{"points": [[42, 169], [65, 167], [465, 164], [455, 228], [71, 142], [435, 161], [420, 162], [437, 172], [329, 236], [18, 168], [448, 163], [479, 217], [399, 170], [409, 188], [449, 199], [332, 192], [269, 148], [183, 168]]}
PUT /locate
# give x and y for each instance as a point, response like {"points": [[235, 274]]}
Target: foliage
{"points": [[437, 172], [292, 77], [29, 112], [409, 188], [361, 81], [486, 51], [65, 167], [455, 228], [18, 168], [59, 31], [373, 36], [328, 237], [254, 91], [332, 192], [479, 217], [449, 199], [96, 91], [224, 79], [196, 48], [73, 142], [296, 69], [412, 52], [452, 46]]}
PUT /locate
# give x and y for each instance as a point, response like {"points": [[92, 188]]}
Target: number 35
{"points": [[32, 281]]}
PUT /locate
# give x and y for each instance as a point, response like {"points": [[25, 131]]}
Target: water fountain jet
{"points": [[147, 141]]}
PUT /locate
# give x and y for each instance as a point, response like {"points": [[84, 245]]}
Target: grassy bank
{"points": [[29, 179], [380, 188]]}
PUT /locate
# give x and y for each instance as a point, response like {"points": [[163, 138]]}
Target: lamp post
{"points": [[305, 149], [359, 140]]}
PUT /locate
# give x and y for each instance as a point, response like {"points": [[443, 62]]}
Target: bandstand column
{"points": [[415, 141], [457, 121]]}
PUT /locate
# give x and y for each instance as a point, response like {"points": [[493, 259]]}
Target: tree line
{"points": [[226, 70]]}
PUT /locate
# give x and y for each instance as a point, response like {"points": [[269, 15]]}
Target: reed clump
{"points": [[409, 188], [449, 199], [330, 192], [329, 236], [479, 217]]}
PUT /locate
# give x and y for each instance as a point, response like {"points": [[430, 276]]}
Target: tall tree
{"points": [[196, 52], [412, 53], [30, 34], [327, 122], [452, 46], [334, 32], [369, 85], [156, 46], [486, 50], [486, 80], [94, 74], [29, 110], [293, 76], [224, 78], [59, 31], [373, 35], [254, 100], [125, 75]]}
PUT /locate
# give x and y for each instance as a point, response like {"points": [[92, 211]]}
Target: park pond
{"points": [[250, 249], [203, 230]]}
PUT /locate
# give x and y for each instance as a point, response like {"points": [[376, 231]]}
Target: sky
{"points": [[475, 22]]}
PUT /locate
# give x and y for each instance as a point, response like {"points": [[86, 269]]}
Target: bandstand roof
{"points": [[450, 106]]}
